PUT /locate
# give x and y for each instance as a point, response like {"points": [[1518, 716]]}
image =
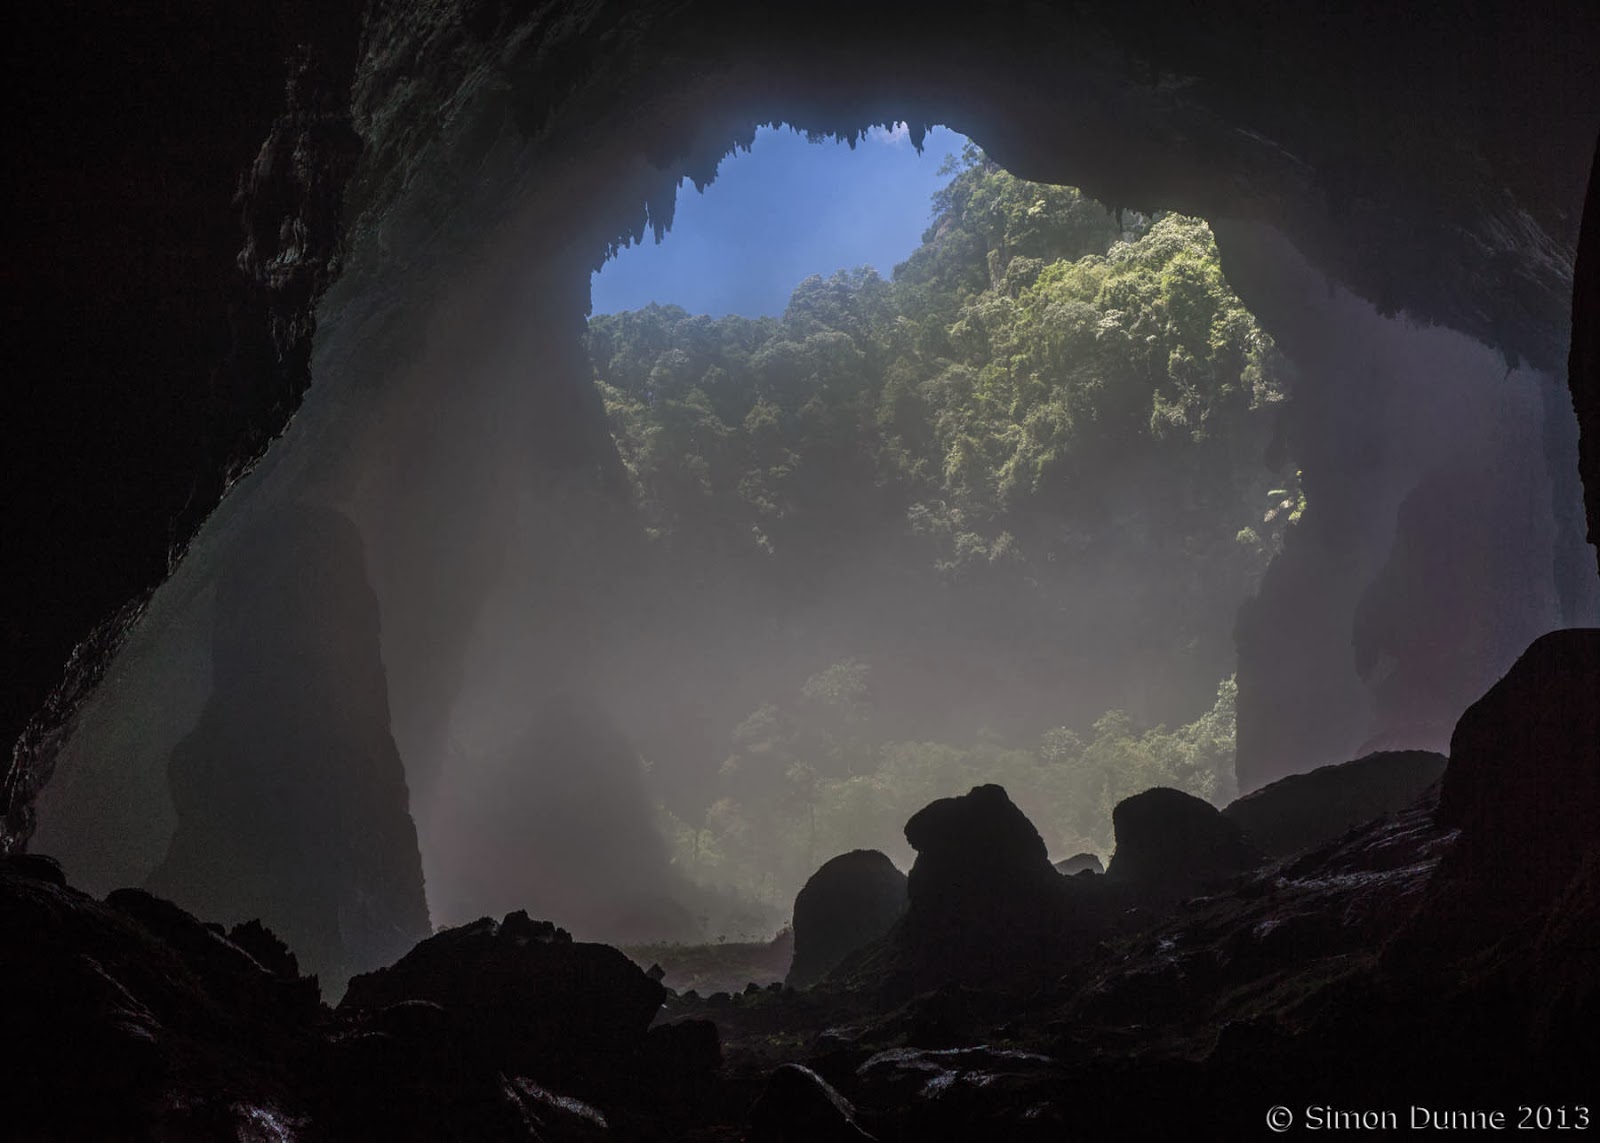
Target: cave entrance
{"points": [[942, 481], [982, 512]]}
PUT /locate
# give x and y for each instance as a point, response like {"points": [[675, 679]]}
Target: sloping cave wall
{"points": [[1431, 159], [173, 217]]}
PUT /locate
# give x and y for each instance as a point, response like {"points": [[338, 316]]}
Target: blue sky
{"points": [[782, 211]]}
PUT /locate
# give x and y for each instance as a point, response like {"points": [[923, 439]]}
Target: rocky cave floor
{"points": [[1442, 956]]}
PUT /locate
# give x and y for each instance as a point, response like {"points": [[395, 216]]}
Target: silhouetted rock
{"points": [[799, 1106], [1304, 810], [974, 853], [852, 899], [263, 945], [984, 901], [413, 1072], [35, 865], [291, 799], [679, 1070], [1080, 863], [966, 1093], [129, 1019], [1170, 843], [528, 997], [1523, 784]]}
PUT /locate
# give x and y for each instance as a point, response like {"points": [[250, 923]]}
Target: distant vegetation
{"points": [[1039, 447]]}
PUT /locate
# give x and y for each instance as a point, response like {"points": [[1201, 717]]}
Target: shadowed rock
{"points": [[973, 1092], [852, 899], [1170, 843], [978, 859], [1523, 784], [984, 901], [799, 1106], [1304, 810], [291, 799], [132, 1019], [523, 993]]}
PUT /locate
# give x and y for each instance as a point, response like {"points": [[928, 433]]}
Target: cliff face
{"points": [[291, 800], [1431, 159], [175, 215]]}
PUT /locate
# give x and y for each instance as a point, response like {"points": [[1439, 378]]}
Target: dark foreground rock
{"points": [[1305, 810], [799, 1106], [1387, 968], [137, 1021], [514, 1030], [852, 899], [984, 900], [1523, 785], [131, 1019], [1170, 843], [522, 992]]}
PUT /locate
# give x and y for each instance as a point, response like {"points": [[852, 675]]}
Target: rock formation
{"points": [[1461, 594], [1304, 810], [137, 1020], [852, 899], [523, 992], [799, 1106], [1405, 960], [979, 863], [1523, 784], [1431, 158], [140, 1021], [291, 799], [1346, 162], [1170, 843], [984, 902]]}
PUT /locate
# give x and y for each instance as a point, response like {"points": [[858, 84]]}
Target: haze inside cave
{"points": [[987, 513]]}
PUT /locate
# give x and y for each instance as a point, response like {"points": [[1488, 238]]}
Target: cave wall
{"points": [[1433, 547], [172, 215], [1429, 158], [290, 798]]}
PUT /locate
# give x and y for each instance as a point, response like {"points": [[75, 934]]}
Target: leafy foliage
{"points": [[1050, 422], [765, 847]]}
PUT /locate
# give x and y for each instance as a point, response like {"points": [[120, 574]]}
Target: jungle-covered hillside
{"points": [[987, 519]]}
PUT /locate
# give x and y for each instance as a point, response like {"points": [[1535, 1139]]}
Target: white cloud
{"points": [[893, 136]]}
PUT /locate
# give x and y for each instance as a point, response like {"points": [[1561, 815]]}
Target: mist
{"points": [[644, 687]]}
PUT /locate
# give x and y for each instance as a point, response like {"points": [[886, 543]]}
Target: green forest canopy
{"points": [[1050, 414]]}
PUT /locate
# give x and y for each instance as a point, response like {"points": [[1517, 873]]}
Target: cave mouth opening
{"points": [[639, 654], [984, 517]]}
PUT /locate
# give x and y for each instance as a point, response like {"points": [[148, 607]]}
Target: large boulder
{"points": [[291, 799], [852, 899], [1170, 843], [1304, 810], [976, 855], [799, 1106], [1523, 784], [131, 1019], [523, 994], [984, 901]]}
